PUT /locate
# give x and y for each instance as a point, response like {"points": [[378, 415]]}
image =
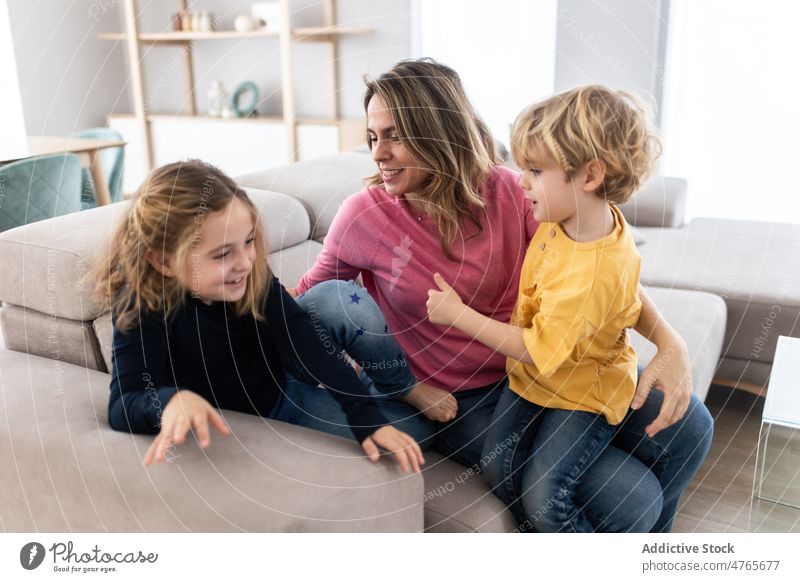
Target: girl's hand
{"points": [[402, 446], [292, 291], [185, 411], [444, 306]]}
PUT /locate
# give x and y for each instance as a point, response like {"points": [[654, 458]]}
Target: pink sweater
{"points": [[381, 238]]}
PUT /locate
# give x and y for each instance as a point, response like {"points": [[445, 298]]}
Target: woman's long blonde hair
{"points": [[166, 216], [439, 128]]}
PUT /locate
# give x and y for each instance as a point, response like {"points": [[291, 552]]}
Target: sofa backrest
{"points": [[660, 202], [321, 184], [324, 183], [49, 305]]}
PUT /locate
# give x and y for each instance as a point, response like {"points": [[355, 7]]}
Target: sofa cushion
{"points": [[458, 500], [753, 266], [58, 339], [290, 264], [699, 318], [71, 472], [321, 184], [45, 262]]}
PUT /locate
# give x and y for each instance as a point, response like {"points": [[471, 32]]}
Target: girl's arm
{"points": [[141, 400], [669, 370], [293, 333], [139, 389], [446, 308]]}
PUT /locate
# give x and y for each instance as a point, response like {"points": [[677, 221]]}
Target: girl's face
{"points": [[401, 175], [222, 254]]}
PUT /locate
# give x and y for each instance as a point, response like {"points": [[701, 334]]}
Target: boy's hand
{"points": [[402, 446], [444, 305], [185, 411]]}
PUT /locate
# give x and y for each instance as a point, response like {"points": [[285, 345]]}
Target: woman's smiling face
{"points": [[401, 175]]}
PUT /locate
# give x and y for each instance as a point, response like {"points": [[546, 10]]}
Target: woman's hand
{"points": [[185, 411], [292, 291], [402, 446], [670, 372], [444, 306]]}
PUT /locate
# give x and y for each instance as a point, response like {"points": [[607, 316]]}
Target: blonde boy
{"points": [[571, 368]]}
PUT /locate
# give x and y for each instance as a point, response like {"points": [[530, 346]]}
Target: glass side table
{"points": [[775, 505]]}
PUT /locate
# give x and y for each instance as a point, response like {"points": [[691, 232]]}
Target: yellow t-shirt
{"points": [[576, 301]]}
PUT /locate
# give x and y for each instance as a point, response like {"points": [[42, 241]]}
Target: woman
{"points": [[440, 203]]}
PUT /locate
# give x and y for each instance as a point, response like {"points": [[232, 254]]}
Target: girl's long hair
{"points": [[439, 128], [166, 216]]}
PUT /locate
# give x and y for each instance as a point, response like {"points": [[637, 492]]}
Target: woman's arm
{"points": [[669, 370]]}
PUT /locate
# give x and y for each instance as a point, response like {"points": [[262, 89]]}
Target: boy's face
{"points": [[554, 196]]}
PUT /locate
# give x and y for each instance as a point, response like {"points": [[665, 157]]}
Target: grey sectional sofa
{"points": [[67, 470]]}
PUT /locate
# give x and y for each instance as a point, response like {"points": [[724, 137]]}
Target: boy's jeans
{"points": [[543, 455]]}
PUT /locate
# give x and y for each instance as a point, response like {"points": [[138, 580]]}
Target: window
{"points": [[731, 122]]}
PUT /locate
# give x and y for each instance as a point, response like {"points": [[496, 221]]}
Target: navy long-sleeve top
{"points": [[236, 363]]}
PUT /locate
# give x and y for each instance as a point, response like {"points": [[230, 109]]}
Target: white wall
{"points": [[13, 141], [69, 79], [503, 51], [618, 43]]}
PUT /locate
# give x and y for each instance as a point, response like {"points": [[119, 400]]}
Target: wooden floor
{"points": [[718, 500]]}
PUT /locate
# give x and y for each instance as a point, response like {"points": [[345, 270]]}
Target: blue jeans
{"points": [[672, 457], [542, 457], [634, 485]]}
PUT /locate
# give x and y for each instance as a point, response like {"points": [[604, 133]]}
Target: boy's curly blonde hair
{"points": [[585, 124]]}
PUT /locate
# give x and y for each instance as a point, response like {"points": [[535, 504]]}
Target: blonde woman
{"points": [[440, 203], [187, 282]]}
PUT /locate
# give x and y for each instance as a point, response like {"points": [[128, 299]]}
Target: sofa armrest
{"points": [[660, 202], [71, 472]]}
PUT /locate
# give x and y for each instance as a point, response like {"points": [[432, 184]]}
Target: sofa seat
{"points": [[753, 266], [65, 469]]}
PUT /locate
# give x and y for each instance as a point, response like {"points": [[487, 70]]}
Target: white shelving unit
{"points": [[156, 138]]}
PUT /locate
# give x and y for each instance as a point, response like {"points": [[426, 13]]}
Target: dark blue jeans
{"points": [[542, 455], [634, 485]]}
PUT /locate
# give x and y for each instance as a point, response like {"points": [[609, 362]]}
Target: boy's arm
{"points": [[446, 308], [669, 369]]}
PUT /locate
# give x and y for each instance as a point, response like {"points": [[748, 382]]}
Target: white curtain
{"points": [[13, 142], [731, 124]]}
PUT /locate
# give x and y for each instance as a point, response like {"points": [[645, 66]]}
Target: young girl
{"points": [[572, 370], [201, 324]]}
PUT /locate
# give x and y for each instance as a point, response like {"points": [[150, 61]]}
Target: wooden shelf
{"points": [[348, 130], [310, 34], [323, 33], [190, 117], [258, 119]]}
